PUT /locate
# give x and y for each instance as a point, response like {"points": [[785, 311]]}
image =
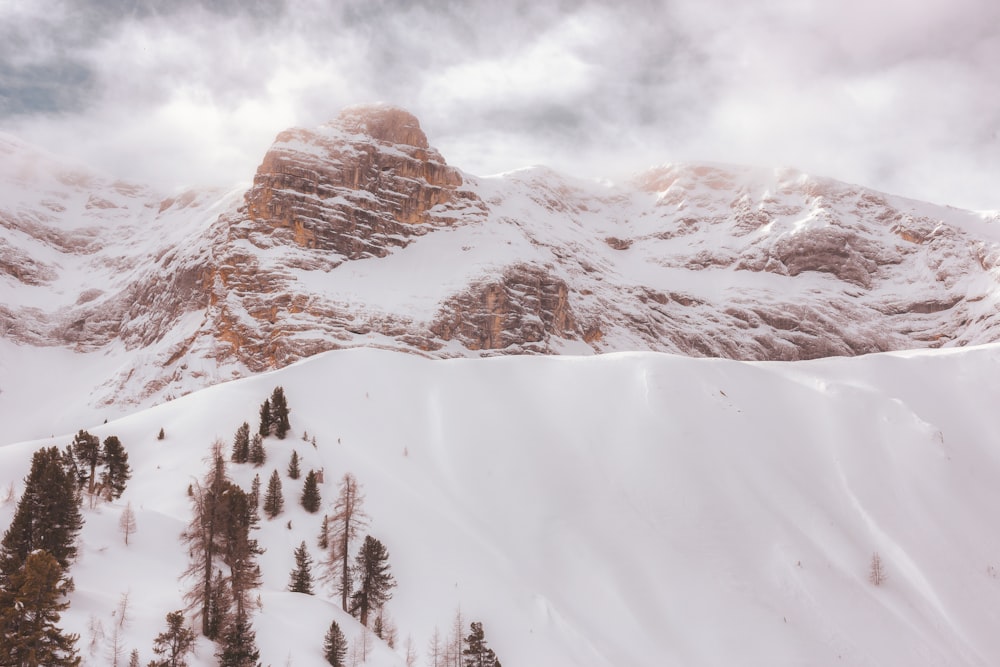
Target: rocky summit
{"points": [[359, 233]]}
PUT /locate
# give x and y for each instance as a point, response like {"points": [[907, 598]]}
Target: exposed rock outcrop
{"points": [[523, 309], [358, 186]]}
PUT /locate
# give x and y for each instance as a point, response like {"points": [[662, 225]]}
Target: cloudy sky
{"points": [[901, 95]]}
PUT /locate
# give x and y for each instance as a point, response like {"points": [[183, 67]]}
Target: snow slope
{"points": [[627, 509]]}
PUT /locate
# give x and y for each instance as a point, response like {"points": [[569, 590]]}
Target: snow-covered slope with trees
{"points": [[625, 509]]}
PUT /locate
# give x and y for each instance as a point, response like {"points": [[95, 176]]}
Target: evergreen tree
{"points": [[116, 468], [345, 524], [239, 645], [323, 542], [375, 582], [265, 419], [257, 454], [219, 607], [279, 413], [47, 515], [133, 657], [335, 646], [301, 578], [174, 643], [273, 501], [293, 465], [310, 493], [161, 435], [86, 449], [240, 551], [477, 653], [30, 606], [254, 499], [241, 444]]}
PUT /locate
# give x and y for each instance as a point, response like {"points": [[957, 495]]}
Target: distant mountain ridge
{"points": [[358, 233]]}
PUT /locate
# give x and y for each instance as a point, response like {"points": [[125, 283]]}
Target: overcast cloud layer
{"points": [[899, 95]]}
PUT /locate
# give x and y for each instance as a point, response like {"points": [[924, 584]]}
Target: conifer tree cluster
{"points": [[241, 444], [30, 604], [47, 516], [223, 567], [86, 453], [274, 415], [476, 652], [35, 553]]}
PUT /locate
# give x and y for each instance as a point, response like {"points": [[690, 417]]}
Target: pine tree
{"points": [[301, 577], [175, 642], [310, 493], [116, 468], [241, 444], [255, 490], [273, 501], [323, 541], [30, 606], [133, 657], [240, 550], [218, 612], [47, 515], [161, 435], [279, 413], [477, 653], [293, 465], [375, 582], [86, 449], [239, 645], [335, 646], [265, 419], [257, 454], [346, 523]]}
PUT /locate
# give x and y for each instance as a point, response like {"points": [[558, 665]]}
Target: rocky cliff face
{"points": [[359, 233]]}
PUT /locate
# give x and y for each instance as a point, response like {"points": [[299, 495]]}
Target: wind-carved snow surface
{"points": [[629, 509]]}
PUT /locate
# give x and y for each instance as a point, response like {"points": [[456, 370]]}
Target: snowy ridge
{"points": [[627, 509], [358, 234]]}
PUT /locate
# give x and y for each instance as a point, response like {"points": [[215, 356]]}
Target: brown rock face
{"points": [[358, 186], [524, 309]]}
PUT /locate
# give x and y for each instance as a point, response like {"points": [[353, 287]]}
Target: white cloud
{"points": [[895, 95]]}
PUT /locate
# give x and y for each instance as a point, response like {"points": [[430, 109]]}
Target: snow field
{"points": [[627, 509]]}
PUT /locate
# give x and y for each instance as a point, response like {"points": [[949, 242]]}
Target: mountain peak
{"points": [[383, 122]]}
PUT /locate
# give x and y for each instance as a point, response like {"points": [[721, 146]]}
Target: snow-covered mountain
{"points": [[358, 233], [628, 509], [634, 508]]}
